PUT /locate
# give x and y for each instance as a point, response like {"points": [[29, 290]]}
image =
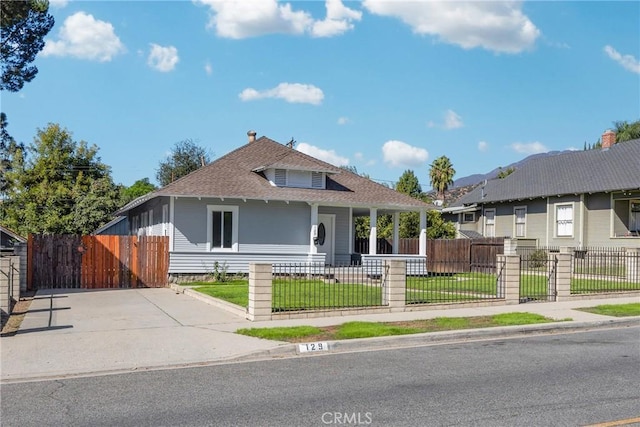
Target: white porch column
{"points": [[373, 230], [313, 234], [396, 231], [423, 233]]}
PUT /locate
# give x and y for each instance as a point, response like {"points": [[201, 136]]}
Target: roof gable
{"points": [[12, 234]]}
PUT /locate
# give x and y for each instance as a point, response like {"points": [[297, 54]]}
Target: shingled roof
{"points": [[575, 172], [237, 176]]}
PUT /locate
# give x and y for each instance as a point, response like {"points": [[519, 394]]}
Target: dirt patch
{"points": [[11, 324]]}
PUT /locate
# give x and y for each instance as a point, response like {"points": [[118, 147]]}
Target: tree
{"points": [[438, 228], [186, 156], [441, 174], [503, 173], [24, 26], [63, 188], [409, 185], [137, 189], [9, 149], [626, 131]]}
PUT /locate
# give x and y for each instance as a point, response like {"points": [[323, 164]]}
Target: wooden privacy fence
{"points": [[463, 255], [92, 262]]}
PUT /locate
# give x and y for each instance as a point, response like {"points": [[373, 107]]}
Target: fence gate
{"points": [[90, 262], [538, 271]]}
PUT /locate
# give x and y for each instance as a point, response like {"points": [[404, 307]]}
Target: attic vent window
{"points": [[316, 180], [281, 177]]}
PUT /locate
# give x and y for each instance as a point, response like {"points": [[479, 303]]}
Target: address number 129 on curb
{"points": [[313, 347]]}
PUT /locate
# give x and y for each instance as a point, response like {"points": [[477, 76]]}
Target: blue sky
{"points": [[384, 86]]}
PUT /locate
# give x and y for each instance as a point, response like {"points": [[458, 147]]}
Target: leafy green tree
{"points": [[186, 156], [137, 189], [62, 188], [441, 175], [438, 228], [626, 131], [9, 149], [409, 185], [503, 173], [24, 26]]}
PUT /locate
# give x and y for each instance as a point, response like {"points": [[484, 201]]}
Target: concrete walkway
{"points": [[82, 332]]}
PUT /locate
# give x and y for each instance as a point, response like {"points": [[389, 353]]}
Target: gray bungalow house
{"points": [[265, 202], [576, 199]]}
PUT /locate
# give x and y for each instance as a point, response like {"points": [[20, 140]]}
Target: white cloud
{"points": [[83, 36], [242, 19], [343, 120], [628, 62], [329, 156], [338, 21], [452, 120], [58, 4], [398, 153], [208, 68], [529, 147], [290, 92], [163, 58], [483, 146], [495, 26]]}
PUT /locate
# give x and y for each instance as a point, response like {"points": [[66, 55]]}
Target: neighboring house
{"points": [[265, 202], [119, 226], [8, 239], [577, 198]]}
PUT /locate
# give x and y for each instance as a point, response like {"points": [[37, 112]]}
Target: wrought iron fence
{"points": [[452, 281], [599, 269], [315, 286], [538, 268]]}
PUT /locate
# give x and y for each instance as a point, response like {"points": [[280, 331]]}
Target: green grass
{"points": [[351, 330], [301, 294], [579, 286], [281, 333], [450, 288], [617, 310], [235, 291]]}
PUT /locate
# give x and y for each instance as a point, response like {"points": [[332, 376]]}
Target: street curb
{"points": [[444, 337]]}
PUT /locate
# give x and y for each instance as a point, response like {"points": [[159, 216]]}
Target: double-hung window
{"points": [[222, 228], [564, 220], [490, 223], [520, 214]]}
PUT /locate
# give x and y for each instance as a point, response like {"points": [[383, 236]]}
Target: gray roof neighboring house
{"points": [[577, 172], [238, 175]]}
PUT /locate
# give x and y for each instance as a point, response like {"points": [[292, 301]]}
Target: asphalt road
{"points": [[569, 379]]}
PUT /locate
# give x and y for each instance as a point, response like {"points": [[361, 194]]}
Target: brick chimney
{"points": [[252, 136], [608, 138]]}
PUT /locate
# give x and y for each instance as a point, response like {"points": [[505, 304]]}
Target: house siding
{"points": [[260, 224], [553, 239], [155, 225], [203, 263]]}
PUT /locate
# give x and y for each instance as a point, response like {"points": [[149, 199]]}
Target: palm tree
{"points": [[441, 174], [626, 131]]}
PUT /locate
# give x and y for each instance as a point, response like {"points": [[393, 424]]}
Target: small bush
{"points": [[538, 258]]}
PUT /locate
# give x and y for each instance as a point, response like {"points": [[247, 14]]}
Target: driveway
{"points": [[70, 332]]}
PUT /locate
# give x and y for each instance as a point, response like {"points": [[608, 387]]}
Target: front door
{"points": [[326, 235]]}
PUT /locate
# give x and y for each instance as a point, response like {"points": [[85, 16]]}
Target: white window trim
{"points": [[515, 222], [473, 217], [165, 220], [234, 229], [494, 222], [629, 226], [573, 220], [150, 226]]}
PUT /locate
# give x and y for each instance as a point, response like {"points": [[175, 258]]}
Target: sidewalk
{"points": [[70, 333]]}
